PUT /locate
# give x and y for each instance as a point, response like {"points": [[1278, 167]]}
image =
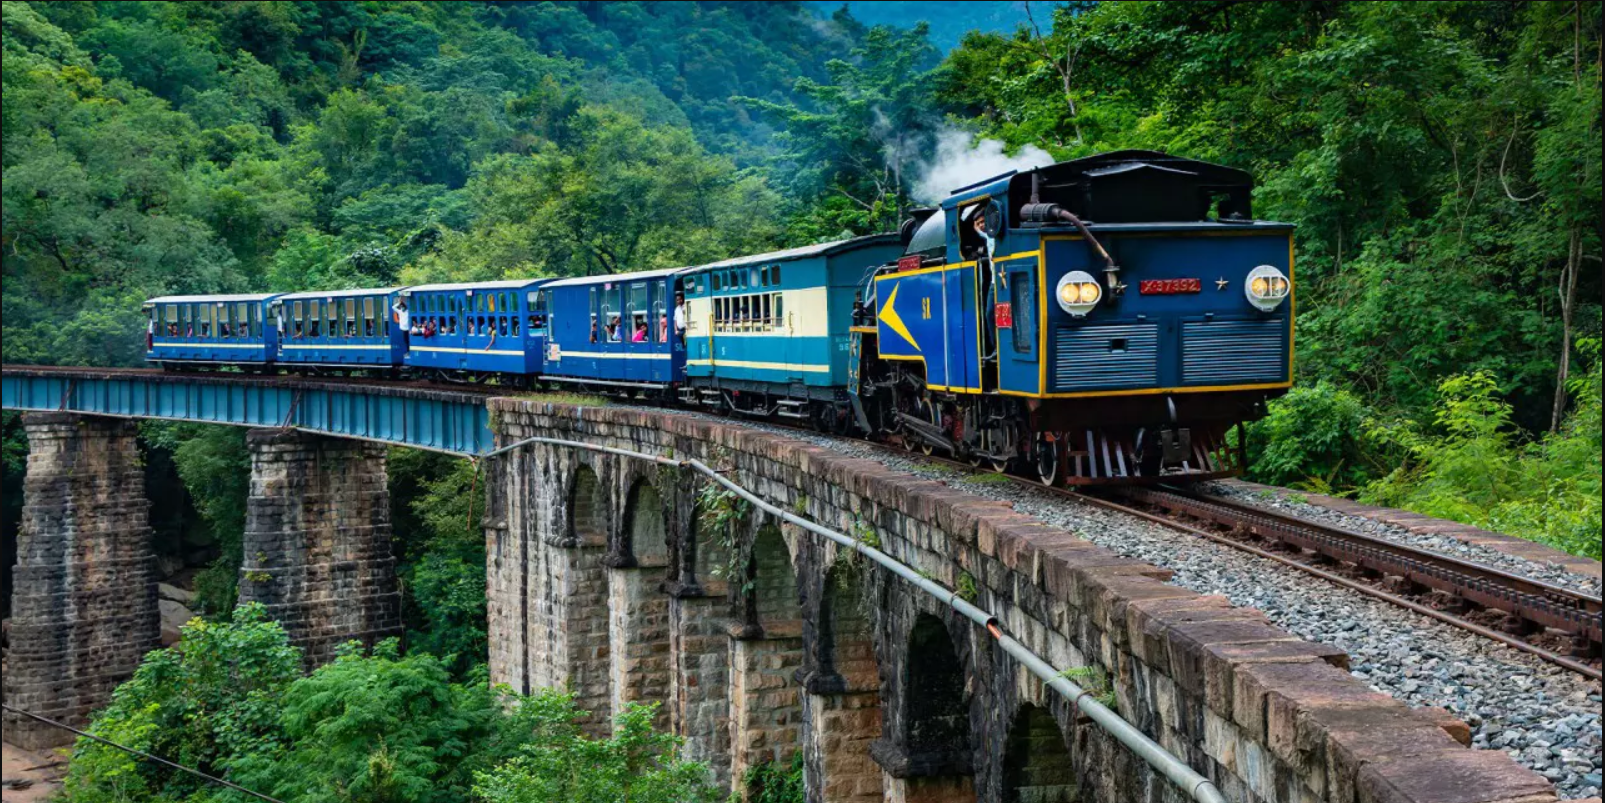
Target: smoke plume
{"points": [[961, 160]]}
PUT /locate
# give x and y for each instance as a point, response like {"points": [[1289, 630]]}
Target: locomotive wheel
{"points": [[1046, 455], [1000, 440], [933, 412]]}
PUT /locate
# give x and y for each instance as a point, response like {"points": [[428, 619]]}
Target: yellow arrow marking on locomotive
{"points": [[890, 317]]}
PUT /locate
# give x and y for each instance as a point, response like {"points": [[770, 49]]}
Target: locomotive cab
{"points": [[1102, 319]]}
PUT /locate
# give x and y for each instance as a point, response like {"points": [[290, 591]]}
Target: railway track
{"points": [[1556, 624]]}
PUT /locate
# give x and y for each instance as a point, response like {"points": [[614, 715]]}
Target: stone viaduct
{"points": [[628, 581]]}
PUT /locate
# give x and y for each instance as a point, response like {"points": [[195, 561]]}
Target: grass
{"points": [[560, 397], [989, 479]]}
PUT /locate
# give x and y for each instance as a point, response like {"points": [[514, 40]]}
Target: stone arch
{"points": [[1036, 761], [843, 708], [645, 532], [772, 580], [711, 555], [937, 712], [587, 508], [766, 653], [846, 632], [638, 611]]}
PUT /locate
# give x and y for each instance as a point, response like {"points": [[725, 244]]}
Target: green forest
{"points": [[1441, 161]]}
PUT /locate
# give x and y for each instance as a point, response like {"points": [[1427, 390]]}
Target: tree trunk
{"points": [[1568, 300]]}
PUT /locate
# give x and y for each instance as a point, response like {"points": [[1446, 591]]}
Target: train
{"points": [[1103, 320]]}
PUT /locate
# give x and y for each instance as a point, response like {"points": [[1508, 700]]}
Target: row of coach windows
{"points": [[744, 278], [356, 316], [758, 312], [480, 315], [632, 313], [212, 319]]}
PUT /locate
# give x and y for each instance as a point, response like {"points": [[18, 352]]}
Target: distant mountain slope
{"points": [[949, 21]]}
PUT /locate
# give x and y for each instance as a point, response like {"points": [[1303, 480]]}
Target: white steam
{"points": [[961, 160]]}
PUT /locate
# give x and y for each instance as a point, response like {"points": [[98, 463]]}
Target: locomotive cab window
{"points": [[1023, 298]]}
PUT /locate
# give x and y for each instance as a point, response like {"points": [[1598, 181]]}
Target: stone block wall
{"points": [[84, 603], [317, 545], [1266, 716]]}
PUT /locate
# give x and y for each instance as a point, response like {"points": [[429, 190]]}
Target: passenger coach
{"points": [[350, 329], [767, 334], [209, 331], [613, 331], [475, 331]]}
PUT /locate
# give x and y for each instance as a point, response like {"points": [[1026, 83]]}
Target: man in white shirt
{"points": [[679, 316], [402, 318]]}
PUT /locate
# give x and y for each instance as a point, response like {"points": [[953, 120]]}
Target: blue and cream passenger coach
{"points": [[768, 334], [1102, 319]]}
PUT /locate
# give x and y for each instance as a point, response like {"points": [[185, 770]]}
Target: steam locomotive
{"points": [[1102, 320]]}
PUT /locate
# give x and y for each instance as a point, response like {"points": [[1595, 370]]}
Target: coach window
{"points": [[768, 318], [780, 310], [297, 315], [774, 275], [639, 306], [314, 318], [170, 314], [1024, 307], [254, 312]]}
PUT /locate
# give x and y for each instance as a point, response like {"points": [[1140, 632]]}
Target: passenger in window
{"points": [[613, 331], [680, 316], [640, 332], [515, 325]]}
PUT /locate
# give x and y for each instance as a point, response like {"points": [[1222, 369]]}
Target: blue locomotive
{"points": [[1102, 320]]}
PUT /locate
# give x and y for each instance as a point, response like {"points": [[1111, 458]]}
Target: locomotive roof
{"points": [[500, 284], [221, 298], [370, 291], [821, 249], [617, 277]]}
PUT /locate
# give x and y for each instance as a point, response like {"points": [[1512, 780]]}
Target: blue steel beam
{"points": [[457, 423]]}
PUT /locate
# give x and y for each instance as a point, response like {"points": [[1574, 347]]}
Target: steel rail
{"points": [[1177, 771]]}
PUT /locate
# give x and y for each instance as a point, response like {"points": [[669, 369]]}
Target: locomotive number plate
{"points": [[1168, 287], [1003, 315]]}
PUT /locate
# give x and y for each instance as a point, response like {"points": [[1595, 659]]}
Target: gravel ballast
{"points": [[1545, 717]]}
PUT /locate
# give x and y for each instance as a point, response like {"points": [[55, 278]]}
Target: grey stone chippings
{"points": [[1546, 718]]}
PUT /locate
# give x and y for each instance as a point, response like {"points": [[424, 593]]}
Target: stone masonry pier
{"points": [[624, 581], [317, 553], [84, 604], [317, 540]]}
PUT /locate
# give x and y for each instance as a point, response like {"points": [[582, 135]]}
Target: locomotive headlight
{"points": [[1267, 288], [1078, 293]]}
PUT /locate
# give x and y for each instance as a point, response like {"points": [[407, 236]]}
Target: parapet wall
{"points": [[868, 667]]}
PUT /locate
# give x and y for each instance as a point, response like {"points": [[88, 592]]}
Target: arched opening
{"points": [[765, 698], [846, 643], [774, 582], [711, 555], [585, 509], [638, 620], [938, 715], [645, 529], [844, 712], [577, 590], [1036, 762]]}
